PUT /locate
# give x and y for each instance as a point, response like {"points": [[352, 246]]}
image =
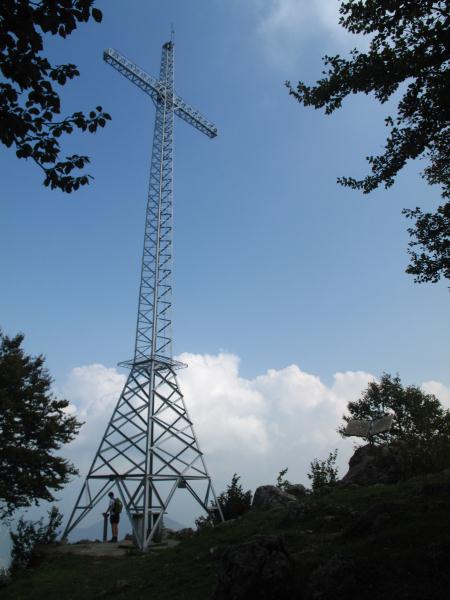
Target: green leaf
{"points": [[97, 15]]}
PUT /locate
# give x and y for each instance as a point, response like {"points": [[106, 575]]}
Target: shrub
{"points": [[234, 502], [323, 472], [30, 534], [282, 483]]}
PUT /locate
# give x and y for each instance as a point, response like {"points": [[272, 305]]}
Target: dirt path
{"points": [[105, 549]]}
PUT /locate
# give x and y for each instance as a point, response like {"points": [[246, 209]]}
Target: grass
{"points": [[398, 538]]}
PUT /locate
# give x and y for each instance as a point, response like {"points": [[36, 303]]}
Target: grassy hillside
{"points": [[384, 542]]}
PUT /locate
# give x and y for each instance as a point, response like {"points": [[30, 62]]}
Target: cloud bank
{"points": [[255, 427]]}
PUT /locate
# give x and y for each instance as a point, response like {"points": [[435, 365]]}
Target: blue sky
{"points": [[275, 264]]}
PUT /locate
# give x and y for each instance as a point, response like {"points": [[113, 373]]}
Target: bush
{"points": [[234, 502], [30, 534], [323, 472], [5, 576], [282, 483]]}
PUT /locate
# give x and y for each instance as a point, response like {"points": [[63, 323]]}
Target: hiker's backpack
{"points": [[117, 506]]}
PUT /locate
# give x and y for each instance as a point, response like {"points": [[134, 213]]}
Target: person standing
{"points": [[114, 510]]}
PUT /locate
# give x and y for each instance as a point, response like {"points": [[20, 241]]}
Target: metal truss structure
{"points": [[149, 448]]}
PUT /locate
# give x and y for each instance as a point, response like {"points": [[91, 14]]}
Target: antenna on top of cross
{"points": [[172, 33]]}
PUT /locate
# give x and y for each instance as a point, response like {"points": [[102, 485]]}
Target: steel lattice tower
{"points": [[149, 448]]}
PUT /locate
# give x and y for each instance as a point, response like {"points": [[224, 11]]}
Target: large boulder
{"points": [[258, 568], [372, 464], [296, 489], [269, 496]]}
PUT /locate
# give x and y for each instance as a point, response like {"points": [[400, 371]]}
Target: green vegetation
{"points": [[234, 502], [408, 57], [28, 535], [397, 537], [33, 426], [30, 105], [282, 482], [323, 472], [421, 427]]}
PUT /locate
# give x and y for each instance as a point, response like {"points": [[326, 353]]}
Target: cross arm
{"points": [[146, 82], [193, 117], [155, 89]]}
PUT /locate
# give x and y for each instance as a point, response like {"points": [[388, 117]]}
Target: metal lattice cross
{"points": [[149, 448]]}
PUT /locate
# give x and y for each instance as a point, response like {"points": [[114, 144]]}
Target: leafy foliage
{"points": [[33, 425], [29, 102], [421, 425], [323, 472], [432, 233], [234, 502], [282, 482], [409, 50], [29, 534]]}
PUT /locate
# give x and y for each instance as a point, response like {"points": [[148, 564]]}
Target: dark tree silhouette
{"points": [[33, 425], [421, 426], [30, 105], [432, 235], [409, 50], [234, 502]]}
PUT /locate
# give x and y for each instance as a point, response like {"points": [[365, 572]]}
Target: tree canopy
{"points": [[30, 105], [33, 425], [421, 424], [409, 52]]}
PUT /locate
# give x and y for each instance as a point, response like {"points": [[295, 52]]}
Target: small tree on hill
{"points": [[421, 424], [323, 472], [33, 425], [234, 502], [282, 482]]}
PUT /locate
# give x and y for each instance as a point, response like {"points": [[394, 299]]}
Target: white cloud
{"points": [[252, 426], [92, 390], [298, 15], [255, 427], [227, 411], [439, 390], [285, 25]]}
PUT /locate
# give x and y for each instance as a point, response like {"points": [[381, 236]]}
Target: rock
{"points": [[296, 511], [324, 490], [333, 580], [121, 585], [296, 489], [269, 496], [258, 568], [184, 534], [374, 520], [372, 465]]}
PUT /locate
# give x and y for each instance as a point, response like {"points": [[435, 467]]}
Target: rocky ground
{"points": [[374, 542], [96, 548]]}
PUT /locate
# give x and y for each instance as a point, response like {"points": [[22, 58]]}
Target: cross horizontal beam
{"points": [[157, 91]]}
